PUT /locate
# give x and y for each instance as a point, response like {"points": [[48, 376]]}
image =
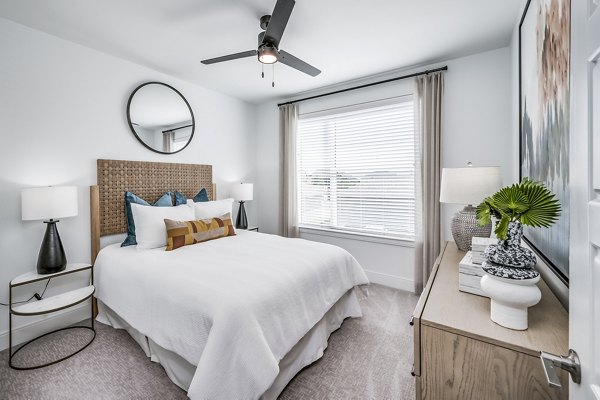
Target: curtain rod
{"points": [[176, 129], [429, 71]]}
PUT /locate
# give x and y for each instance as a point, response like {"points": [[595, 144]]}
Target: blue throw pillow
{"points": [[164, 201], [200, 197], [180, 198]]}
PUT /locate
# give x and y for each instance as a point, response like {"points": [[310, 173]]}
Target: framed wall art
{"points": [[544, 58]]}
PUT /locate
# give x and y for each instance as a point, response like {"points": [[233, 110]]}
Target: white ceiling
{"points": [[346, 39]]}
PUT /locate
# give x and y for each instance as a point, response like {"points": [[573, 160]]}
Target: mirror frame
{"points": [[133, 130]]}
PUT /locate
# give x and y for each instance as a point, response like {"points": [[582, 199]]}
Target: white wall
{"points": [[62, 106], [267, 189], [476, 127], [514, 94], [476, 117]]}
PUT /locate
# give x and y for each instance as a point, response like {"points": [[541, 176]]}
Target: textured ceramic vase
{"points": [[464, 227], [509, 252], [510, 299]]}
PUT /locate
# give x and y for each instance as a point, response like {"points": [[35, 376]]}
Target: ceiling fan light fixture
{"points": [[269, 40], [267, 54]]}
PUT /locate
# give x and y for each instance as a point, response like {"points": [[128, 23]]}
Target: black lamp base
{"points": [[241, 221], [51, 258]]}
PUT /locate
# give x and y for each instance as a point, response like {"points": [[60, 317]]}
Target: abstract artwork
{"points": [[544, 53]]}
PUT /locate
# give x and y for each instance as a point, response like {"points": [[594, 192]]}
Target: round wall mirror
{"points": [[160, 117]]}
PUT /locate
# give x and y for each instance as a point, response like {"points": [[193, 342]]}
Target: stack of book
{"points": [[478, 245], [469, 270], [469, 275]]}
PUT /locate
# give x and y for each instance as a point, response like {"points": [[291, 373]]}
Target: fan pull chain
{"points": [[273, 80], [262, 67]]}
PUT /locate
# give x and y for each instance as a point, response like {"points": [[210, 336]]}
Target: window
{"points": [[355, 169]]}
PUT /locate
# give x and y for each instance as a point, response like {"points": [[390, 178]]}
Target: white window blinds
{"points": [[355, 169]]}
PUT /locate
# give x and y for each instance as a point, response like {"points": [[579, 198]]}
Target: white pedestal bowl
{"points": [[510, 299]]}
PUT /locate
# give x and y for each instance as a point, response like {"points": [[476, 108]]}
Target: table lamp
{"points": [[48, 204], [242, 192], [468, 186]]}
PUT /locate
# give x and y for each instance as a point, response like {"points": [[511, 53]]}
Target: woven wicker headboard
{"points": [[149, 180]]}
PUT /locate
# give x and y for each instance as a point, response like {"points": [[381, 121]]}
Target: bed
{"points": [[231, 318]]}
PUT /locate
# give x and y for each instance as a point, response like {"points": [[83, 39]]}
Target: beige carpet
{"points": [[367, 358]]}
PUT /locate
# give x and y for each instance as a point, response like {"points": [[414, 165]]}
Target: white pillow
{"points": [[150, 231], [210, 209]]}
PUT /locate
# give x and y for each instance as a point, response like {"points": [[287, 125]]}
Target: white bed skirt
{"points": [[309, 349]]}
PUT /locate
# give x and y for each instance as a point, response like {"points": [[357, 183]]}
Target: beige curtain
{"points": [[288, 120], [428, 118], [168, 139]]}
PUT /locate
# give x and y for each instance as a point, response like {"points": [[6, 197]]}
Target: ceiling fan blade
{"points": [[229, 57], [279, 19], [295, 62]]}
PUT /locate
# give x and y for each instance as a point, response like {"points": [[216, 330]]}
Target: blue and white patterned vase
{"points": [[509, 252]]}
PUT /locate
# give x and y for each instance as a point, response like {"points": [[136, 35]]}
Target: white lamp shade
{"points": [[48, 202], [242, 191], [469, 185]]}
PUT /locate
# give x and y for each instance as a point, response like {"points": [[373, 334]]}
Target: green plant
{"points": [[528, 202]]}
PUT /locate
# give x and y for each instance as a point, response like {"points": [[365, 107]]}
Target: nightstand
{"points": [[251, 228], [49, 305]]}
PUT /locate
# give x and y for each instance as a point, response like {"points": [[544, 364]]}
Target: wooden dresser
{"points": [[461, 354]]}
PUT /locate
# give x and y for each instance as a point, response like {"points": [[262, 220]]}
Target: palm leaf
{"points": [[511, 200], [486, 210], [484, 213], [529, 202], [544, 208], [502, 227]]}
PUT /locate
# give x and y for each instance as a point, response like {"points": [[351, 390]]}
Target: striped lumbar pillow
{"points": [[182, 233]]}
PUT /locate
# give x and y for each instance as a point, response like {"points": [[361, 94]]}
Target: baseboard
{"points": [[50, 322], [392, 281]]}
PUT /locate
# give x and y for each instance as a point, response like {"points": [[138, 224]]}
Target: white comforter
{"points": [[233, 306]]}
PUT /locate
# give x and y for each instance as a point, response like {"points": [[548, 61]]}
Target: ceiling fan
{"points": [[268, 51]]}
